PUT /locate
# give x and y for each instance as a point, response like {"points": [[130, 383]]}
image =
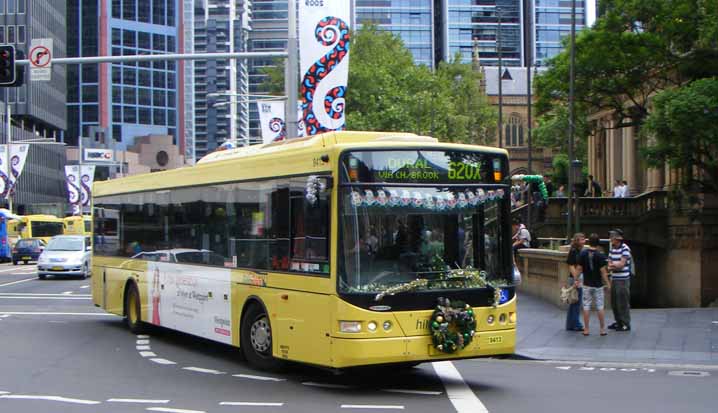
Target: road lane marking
{"points": [[58, 313], [269, 404], [43, 294], [203, 370], [147, 354], [145, 348], [460, 394], [14, 269], [327, 385], [17, 282], [148, 401], [170, 410], [162, 361], [372, 406], [4, 392], [143, 342], [84, 286], [142, 336], [252, 377], [424, 392], [50, 398], [67, 293]]}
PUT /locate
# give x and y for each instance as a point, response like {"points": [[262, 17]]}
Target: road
{"points": [[59, 353]]}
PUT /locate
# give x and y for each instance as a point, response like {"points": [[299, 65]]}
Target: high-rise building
{"points": [[38, 108], [412, 20], [128, 99], [221, 86], [552, 22]]}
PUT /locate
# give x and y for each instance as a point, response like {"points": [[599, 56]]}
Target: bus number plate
{"points": [[496, 340]]}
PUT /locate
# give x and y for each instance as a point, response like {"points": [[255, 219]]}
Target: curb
{"points": [[598, 363]]}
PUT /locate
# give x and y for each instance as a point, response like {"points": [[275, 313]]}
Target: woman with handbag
{"points": [[573, 317]]}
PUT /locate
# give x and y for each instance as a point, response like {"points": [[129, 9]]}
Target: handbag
{"points": [[569, 295]]}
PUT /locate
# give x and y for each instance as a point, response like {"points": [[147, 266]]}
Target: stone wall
{"points": [[543, 273]]}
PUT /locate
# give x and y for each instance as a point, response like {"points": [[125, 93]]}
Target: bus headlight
{"points": [[512, 318], [490, 319], [350, 326], [387, 325], [371, 326]]}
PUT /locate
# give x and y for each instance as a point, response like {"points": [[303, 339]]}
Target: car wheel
{"points": [[256, 339], [14, 263], [41, 276], [133, 311], [85, 272], [25, 262]]}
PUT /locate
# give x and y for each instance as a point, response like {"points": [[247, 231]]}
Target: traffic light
{"points": [[7, 65]]}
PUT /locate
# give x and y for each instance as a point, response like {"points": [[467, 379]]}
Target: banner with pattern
{"points": [[323, 63], [79, 185], [273, 123], [8, 178]]}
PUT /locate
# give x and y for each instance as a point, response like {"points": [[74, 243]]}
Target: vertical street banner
{"points": [[87, 177], [273, 122], [324, 63], [4, 177], [72, 180], [271, 118], [18, 156]]}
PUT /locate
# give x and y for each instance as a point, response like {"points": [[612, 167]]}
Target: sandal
{"points": [[586, 334], [603, 333]]}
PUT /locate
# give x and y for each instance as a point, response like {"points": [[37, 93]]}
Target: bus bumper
{"points": [[367, 351]]}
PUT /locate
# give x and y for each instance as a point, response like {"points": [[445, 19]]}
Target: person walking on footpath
{"points": [[573, 316], [620, 262], [593, 265]]}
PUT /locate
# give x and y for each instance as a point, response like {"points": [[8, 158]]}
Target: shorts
{"points": [[593, 295]]}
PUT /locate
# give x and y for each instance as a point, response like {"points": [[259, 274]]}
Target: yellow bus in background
{"points": [[78, 225], [342, 249], [39, 226], [13, 230]]}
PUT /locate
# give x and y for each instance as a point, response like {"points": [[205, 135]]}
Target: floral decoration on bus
{"points": [[445, 200], [453, 325]]}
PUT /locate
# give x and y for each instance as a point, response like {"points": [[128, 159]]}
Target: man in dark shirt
{"points": [[594, 266]]}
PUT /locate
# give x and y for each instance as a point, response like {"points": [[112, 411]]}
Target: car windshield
{"points": [[25, 243], [413, 220], [65, 244]]}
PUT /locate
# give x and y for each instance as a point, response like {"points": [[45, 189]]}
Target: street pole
{"points": [[8, 140], [529, 61], [292, 70], [571, 181], [501, 99], [79, 181]]}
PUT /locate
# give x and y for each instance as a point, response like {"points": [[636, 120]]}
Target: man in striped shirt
{"points": [[620, 263]]}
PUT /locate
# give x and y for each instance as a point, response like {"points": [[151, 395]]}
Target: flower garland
{"points": [[453, 325], [445, 200]]}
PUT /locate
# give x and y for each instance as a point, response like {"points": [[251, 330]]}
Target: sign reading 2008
{"points": [[434, 167]]}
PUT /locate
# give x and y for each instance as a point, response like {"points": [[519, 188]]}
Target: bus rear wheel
{"points": [[133, 310], [256, 339]]}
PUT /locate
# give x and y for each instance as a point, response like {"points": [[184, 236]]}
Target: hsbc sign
{"points": [[99, 155]]}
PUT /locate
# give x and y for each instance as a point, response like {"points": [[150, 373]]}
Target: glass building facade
{"points": [[552, 22], [412, 20], [140, 98]]}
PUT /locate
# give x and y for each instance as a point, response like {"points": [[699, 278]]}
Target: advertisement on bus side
{"points": [[196, 300]]}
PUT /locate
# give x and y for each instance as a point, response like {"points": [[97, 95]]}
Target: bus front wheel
{"points": [[256, 339], [132, 310]]}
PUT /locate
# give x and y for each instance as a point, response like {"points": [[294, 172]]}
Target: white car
{"points": [[65, 255]]}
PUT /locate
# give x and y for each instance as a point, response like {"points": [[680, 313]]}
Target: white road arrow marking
{"points": [[460, 394], [252, 377]]}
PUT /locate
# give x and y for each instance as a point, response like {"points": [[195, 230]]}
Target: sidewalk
{"points": [[663, 336]]}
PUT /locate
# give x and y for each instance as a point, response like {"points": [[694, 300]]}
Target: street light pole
{"points": [[501, 98], [529, 61], [292, 71], [8, 140], [571, 180]]}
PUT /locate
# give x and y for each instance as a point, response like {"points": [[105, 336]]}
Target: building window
{"points": [[21, 34], [2, 6], [11, 6], [128, 12], [117, 9], [11, 34], [2, 34], [20, 6], [514, 131]]}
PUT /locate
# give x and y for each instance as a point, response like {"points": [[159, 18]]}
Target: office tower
{"points": [[38, 108], [221, 86], [412, 20], [552, 22], [129, 99]]}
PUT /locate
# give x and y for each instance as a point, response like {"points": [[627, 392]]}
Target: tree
{"points": [[387, 91], [551, 131], [636, 49], [683, 128]]}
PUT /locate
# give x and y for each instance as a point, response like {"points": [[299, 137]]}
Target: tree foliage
{"points": [[683, 126], [387, 91]]}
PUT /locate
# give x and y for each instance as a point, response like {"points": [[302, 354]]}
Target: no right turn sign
{"points": [[40, 59]]}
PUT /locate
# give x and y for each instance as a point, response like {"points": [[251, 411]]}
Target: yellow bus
{"points": [[78, 225], [13, 230], [39, 226], [342, 249]]}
